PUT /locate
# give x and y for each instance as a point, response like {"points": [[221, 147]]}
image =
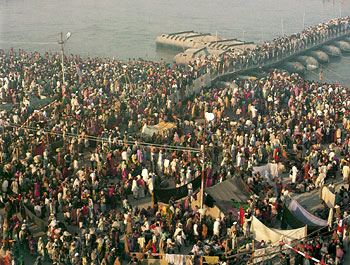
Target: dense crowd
{"points": [[284, 46], [77, 162]]}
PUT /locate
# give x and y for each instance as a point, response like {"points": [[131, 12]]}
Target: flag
{"points": [[241, 215], [79, 71]]}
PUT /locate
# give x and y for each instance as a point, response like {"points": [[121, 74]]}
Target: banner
{"points": [[164, 195], [290, 219], [328, 197], [262, 232]]}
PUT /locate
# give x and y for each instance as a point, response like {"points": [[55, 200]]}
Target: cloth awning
{"points": [[262, 232], [297, 216], [224, 193]]}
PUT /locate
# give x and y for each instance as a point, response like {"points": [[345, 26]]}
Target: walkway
{"points": [[276, 62]]}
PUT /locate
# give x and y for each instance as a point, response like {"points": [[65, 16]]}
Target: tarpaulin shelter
{"points": [[262, 232], [232, 189], [164, 195], [297, 216]]}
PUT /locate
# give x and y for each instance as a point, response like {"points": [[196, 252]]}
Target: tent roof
{"points": [[230, 189]]}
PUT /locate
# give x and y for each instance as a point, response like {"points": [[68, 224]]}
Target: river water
{"points": [[127, 28]]}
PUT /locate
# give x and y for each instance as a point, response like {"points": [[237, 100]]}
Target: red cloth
{"points": [[241, 215], [5, 261], [39, 150]]}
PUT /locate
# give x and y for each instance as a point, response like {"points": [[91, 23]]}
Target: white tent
{"points": [[262, 232]]}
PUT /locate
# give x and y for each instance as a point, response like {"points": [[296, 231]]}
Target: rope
{"points": [[36, 112], [98, 139], [276, 252], [29, 42]]}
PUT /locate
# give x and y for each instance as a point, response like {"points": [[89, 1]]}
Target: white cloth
{"points": [[170, 258], [328, 197], [141, 241], [274, 170], [262, 232], [294, 174], [195, 230]]}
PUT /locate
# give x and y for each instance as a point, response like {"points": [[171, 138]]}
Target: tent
{"points": [[297, 216], [262, 232], [224, 193]]}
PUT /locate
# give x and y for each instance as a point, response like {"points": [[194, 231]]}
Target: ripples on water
{"points": [[127, 29]]}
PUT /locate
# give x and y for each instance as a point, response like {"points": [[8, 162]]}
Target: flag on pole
{"points": [[79, 72]]}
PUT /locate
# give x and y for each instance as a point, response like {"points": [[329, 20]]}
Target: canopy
{"points": [[262, 232], [296, 216], [223, 193]]}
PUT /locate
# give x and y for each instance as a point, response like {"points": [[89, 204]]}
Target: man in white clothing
{"points": [[179, 237], [346, 172], [216, 229]]}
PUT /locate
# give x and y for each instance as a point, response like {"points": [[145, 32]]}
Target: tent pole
{"points": [[203, 158]]}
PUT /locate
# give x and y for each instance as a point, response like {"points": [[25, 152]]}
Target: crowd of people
{"points": [[77, 162], [284, 46]]}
